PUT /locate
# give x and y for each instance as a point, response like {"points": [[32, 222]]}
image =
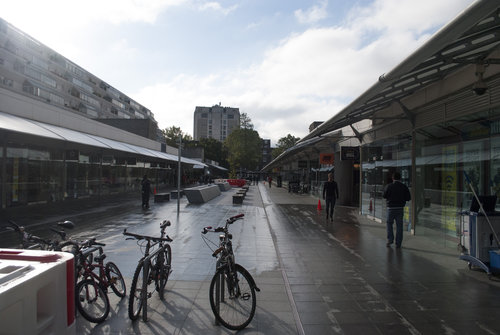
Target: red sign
{"points": [[326, 159]]}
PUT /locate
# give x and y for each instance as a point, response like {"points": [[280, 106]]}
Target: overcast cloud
{"points": [[285, 65]]}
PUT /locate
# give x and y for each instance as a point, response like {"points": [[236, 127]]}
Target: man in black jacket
{"points": [[396, 194], [145, 190], [330, 195]]}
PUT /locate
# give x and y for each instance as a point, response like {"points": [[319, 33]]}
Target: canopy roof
{"points": [[471, 38]]}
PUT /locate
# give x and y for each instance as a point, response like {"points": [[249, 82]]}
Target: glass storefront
{"points": [[380, 160], [445, 154], [39, 171]]}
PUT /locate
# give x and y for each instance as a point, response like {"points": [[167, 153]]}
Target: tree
{"points": [[214, 150], [172, 136], [244, 148], [284, 143], [245, 121]]}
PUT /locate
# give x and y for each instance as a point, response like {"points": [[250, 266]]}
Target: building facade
{"points": [[54, 147], [215, 122], [267, 156]]}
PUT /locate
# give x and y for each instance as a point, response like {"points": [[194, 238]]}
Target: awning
{"points": [[217, 167], [471, 37], [17, 124]]}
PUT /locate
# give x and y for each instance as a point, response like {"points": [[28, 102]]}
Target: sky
{"points": [[285, 63]]}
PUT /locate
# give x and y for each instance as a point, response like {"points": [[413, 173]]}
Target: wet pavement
{"points": [[316, 277]]}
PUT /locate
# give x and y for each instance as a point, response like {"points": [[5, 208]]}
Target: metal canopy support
{"points": [[359, 136], [409, 115]]}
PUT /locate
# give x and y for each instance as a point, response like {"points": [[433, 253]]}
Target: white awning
{"points": [[21, 125]]}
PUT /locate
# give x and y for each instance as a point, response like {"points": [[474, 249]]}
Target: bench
{"points": [[223, 186], [162, 197], [174, 194], [238, 199], [201, 194]]}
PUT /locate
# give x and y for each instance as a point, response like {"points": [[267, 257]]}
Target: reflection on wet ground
{"points": [[315, 277]]}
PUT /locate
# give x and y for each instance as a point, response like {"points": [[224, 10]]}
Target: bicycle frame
{"points": [[151, 243], [88, 268], [145, 272]]}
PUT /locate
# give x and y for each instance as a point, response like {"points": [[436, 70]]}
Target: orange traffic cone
{"points": [[319, 204]]}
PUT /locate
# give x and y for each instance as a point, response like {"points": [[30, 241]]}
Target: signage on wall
{"points": [[326, 158], [349, 153]]}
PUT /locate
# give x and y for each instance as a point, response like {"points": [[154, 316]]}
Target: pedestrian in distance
{"points": [[330, 195], [145, 191], [270, 180], [396, 195]]}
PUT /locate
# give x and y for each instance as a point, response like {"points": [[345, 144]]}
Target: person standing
{"points": [[330, 195], [145, 190], [270, 180], [396, 195]]}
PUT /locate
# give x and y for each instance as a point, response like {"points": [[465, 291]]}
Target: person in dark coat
{"points": [[146, 191], [396, 195], [330, 195]]}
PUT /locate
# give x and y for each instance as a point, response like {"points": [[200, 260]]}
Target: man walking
{"points": [[330, 195], [396, 195], [145, 190]]}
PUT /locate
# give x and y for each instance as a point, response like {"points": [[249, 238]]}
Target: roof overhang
{"points": [[469, 40]]}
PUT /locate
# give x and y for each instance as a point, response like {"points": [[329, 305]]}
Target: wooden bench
{"points": [[162, 197], [238, 199]]}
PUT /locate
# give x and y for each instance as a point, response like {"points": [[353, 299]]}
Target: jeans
{"points": [[330, 205], [395, 214]]}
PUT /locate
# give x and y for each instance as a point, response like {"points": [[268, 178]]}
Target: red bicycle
{"points": [[94, 279]]}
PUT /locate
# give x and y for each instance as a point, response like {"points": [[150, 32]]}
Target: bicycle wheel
{"points": [[92, 301], [136, 290], [115, 279], [163, 264], [232, 297]]}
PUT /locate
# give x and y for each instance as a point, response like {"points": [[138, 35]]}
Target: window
{"points": [[49, 81], [89, 99], [81, 84]]}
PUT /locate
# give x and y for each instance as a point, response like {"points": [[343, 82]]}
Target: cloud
{"points": [[215, 6], [308, 76], [313, 14]]}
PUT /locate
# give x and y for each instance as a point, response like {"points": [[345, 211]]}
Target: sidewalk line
{"points": [[295, 312]]}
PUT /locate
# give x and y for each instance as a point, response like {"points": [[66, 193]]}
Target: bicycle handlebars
{"points": [[146, 237], [231, 220]]}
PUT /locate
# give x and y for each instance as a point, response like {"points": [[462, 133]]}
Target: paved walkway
{"points": [[315, 277]]}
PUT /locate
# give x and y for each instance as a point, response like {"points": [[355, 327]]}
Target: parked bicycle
{"points": [[232, 289], [94, 277], [154, 267], [30, 241]]}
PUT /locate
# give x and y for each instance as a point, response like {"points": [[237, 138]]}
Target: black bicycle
{"points": [[30, 241], [232, 289], [154, 267]]}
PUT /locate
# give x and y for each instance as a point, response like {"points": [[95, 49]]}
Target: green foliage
{"points": [[172, 136], [244, 148], [245, 121], [215, 150], [283, 144]]}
